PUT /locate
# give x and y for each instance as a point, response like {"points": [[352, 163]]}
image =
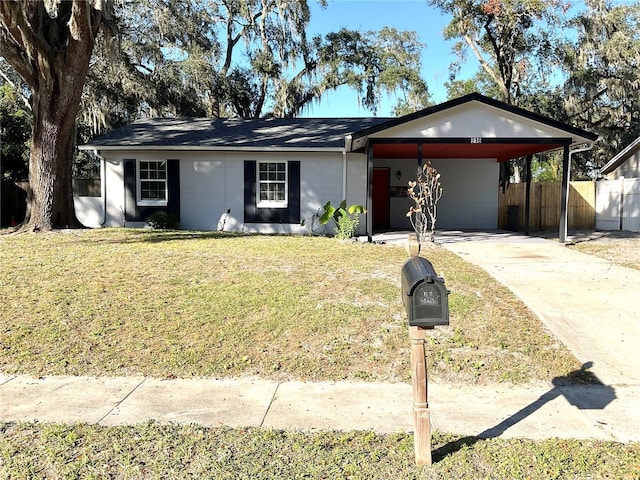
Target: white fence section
{"points": [[618, 204]]}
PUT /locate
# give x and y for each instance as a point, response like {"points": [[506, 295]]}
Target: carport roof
{"points": [[481, 99], [502, 149], [436, 143]]}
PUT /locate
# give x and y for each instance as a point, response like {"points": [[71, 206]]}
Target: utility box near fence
{"points": [[424, 295]]}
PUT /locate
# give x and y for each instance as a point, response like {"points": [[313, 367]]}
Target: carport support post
{"points": [[564, 200], [527, 200], [421, 416], [370, 193]]}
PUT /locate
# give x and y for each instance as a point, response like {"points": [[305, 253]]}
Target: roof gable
{"points": [[472, 119], [621, 157], [473, 115]]}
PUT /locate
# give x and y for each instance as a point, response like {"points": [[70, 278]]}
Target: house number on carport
{"points": [[476, 139]]}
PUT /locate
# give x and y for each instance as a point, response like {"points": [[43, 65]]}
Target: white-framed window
{"points": [[272, 184], [152, 182]]}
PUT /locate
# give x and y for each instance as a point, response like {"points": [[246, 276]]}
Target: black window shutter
{"points": [[294, 192], [250, 208], [130, 198], [173, 187]]}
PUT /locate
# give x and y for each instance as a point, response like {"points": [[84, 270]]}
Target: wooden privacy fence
{"points": [[86, 187], [544, 210], [13, 198]]}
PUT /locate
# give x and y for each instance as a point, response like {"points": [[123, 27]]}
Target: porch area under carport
{"points": [[470, 178], [444, 237], [468, 138]]}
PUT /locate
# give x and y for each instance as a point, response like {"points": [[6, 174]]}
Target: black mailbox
{"points": [[424, 295]]}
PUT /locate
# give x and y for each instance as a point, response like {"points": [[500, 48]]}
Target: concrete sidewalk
{"points": [[532, 411]]}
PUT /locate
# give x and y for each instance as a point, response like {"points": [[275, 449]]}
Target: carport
{"points": [[474, 133]]}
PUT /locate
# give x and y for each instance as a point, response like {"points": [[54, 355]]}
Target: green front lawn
{"points": [[194, 452], [118, 302], [181, 304], [619, 247]]}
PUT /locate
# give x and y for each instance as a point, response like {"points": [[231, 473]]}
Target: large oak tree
{"points": [[246, 58], [601, 62], [50, 44], [512, 40]]}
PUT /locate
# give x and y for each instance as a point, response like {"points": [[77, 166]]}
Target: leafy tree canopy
{"points": [[15, 131], [247, 58], [601, 64], [511, 39], [574, 62]]}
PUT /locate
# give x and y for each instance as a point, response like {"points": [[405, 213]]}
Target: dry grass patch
{"points": [[181, 304], [29, 450], [621, 248]]}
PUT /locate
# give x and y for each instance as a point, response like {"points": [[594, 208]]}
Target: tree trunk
{"points": [[58, 42], [55, 105], [51, 162]]}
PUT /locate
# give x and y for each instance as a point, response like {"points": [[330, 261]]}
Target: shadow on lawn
{"points": [[157, 236], [581, 388]]}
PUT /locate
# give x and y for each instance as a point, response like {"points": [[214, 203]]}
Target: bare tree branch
{"points": [[485, 66], [18, 90]]}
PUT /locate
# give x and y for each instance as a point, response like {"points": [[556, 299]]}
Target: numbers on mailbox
{"points": [[428, 296]]}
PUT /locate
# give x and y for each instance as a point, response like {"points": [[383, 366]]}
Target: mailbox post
{"points": [[421, 415], [425, 299]]}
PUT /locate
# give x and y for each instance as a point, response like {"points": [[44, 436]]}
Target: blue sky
{"points": [[413, 15], [368, 15]]}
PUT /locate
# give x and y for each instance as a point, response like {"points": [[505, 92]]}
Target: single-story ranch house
{"points": [[267, 175]]}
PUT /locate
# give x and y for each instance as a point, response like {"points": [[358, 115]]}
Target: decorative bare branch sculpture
{"points": [[425, 192]]}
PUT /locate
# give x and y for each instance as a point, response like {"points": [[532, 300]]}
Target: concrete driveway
{"points": [[591, 305]]}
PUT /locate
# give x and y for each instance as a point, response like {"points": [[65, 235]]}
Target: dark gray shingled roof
{"points": [[282, 132], [235, 132]]}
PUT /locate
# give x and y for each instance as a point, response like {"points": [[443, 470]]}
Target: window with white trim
{"points": [[152, 182], [272, 184]]}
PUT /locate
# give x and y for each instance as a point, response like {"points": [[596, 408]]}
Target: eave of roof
{"points": [[621, 157], [182, 148], [494, 150]]}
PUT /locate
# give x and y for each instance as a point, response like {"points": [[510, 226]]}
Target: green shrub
{"points": [[346, 226], [163, 221]]}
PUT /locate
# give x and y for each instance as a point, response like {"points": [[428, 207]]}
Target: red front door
{"points": [[381, 185]]}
